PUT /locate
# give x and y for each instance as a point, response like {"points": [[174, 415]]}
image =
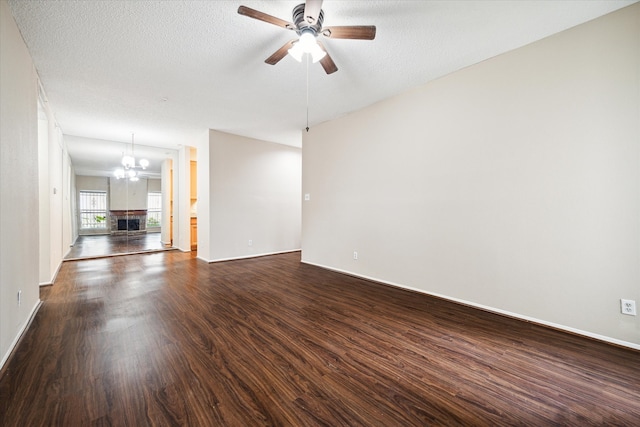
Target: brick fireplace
{"points": [[128, 223]]}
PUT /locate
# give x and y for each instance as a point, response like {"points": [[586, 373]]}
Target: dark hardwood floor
{"points": [[164, 339], [106, 245]]}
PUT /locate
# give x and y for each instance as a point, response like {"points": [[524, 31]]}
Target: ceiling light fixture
{"points": [[307, 44], [129, 165]]}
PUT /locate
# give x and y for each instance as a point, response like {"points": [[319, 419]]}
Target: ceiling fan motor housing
{"points": [[307, 21], [301, 22]]}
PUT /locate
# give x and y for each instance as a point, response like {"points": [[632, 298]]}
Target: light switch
{"points": [[307, 197]]}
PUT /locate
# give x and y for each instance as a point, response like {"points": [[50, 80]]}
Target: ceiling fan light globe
{"points": [[131, 173], [317, 54], [307, 42], [119, 173], [144, 163], [296, 52]]}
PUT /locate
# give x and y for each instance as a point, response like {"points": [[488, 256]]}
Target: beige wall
{"points": [[254, 194], [19, 219], [513, 184]]}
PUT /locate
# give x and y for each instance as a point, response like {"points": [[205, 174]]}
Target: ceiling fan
{"points": [[307, 23]]}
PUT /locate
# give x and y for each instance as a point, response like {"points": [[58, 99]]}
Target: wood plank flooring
{"points": [[106, 245], [164, 339]]}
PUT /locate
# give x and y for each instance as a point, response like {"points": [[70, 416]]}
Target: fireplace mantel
{"points": [[129, 212]]}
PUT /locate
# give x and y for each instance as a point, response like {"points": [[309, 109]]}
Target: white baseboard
{"points": [[250, 256], [21, 332], [489, 309], [53, 278]]}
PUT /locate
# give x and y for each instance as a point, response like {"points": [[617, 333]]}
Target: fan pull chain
{"points": [[307, 55]]}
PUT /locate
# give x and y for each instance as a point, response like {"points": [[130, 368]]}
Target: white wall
{"points": [[44, 214], [69, 206], [92, 183], [203, 197], [513, 184], [166, 185], [127, 195], [52, 192], [254, 194], [19, 223], [181, 200], [154, 185], [59, 194]]}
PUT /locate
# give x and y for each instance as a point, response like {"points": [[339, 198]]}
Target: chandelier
{"points": [[128, 169]]}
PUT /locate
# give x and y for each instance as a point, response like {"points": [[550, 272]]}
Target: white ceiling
{"points": [[97, 157], [169, 70]]}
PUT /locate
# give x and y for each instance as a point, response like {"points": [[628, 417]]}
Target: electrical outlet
{"points": [[628, 306], [19, 298], [250, 242], [355, 255], [307, 197]]}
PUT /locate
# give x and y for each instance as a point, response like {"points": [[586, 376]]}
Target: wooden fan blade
{"points": [[359, 32], [312, 11], [261, 16], [326, 62], [280, 53]]}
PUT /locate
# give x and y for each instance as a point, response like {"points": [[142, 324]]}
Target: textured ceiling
{"points": [[169, 70], [96, 157]]}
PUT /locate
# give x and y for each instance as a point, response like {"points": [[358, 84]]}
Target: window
{"points": [[154, 209], [93, 209]]}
